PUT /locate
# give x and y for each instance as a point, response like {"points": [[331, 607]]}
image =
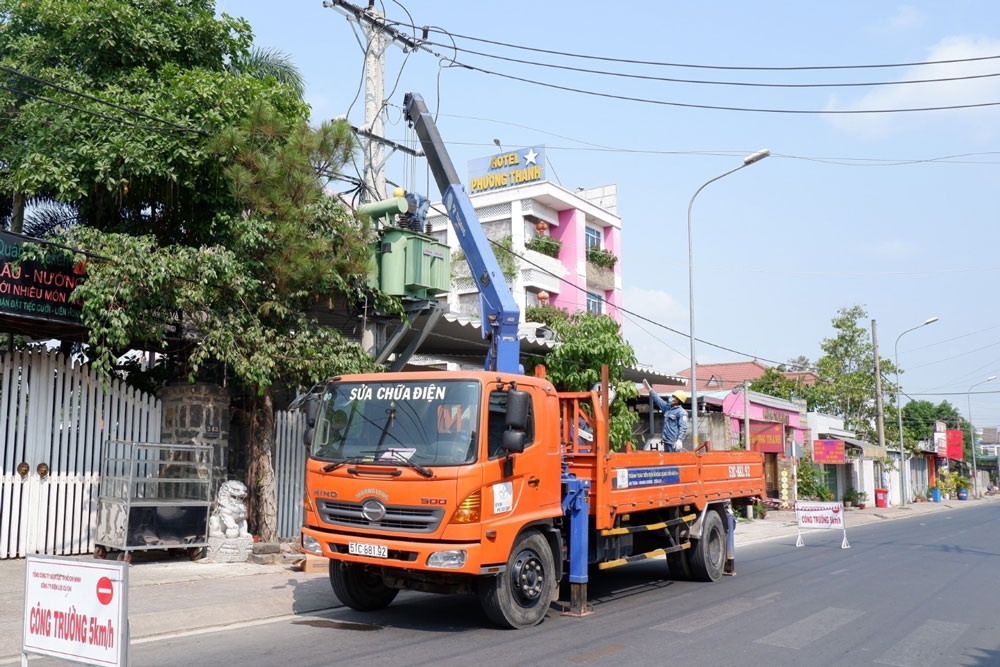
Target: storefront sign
{"points": [[954, 446], [506, 170], [37, 289], [76, 610], [828, 451], [768, 438], [941, 444]]}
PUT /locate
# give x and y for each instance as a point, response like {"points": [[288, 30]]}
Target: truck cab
{"points": [[426, 480]]}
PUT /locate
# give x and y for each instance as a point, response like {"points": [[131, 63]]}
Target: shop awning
{"points": [[868, 450]]}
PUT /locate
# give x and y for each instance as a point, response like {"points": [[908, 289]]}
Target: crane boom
{"points": [[499, 312]]}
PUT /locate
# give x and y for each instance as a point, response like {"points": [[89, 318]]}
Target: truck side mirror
{"points": [[513, 441], [518, 402], [312, 409]]}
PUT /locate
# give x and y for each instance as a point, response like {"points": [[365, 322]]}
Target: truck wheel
{"points": [[521, 596], [708, 554], [358, 588]]}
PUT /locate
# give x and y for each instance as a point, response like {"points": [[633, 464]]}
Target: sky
{"points": [[894, 211]]}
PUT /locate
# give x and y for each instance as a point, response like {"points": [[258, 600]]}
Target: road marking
{"points": [[809, 629], [702, 619], [598, 654], [924, 646]]}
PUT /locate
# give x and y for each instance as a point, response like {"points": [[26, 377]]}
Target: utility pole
{"points": [[374, 99], [878, 388]]}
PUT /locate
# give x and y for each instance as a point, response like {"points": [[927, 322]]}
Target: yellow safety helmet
{"points": [[680, 395]]}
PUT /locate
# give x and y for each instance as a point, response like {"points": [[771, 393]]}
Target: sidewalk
{"points": [[175, 595], [781, 523]]}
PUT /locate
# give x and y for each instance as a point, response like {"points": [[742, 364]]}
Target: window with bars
{"points": [[594, 238]]}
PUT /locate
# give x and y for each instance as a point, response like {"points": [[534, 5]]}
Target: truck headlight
{"points": [[311, 544], [447, 559]]}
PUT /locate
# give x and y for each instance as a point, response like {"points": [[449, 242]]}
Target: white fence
{"points": [[55, 418], [290, 470]]}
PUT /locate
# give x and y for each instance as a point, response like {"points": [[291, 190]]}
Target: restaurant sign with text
{"points": [[34, 289], [828, 451]]}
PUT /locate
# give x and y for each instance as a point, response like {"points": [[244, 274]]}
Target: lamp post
{"points": [[972, 436], [747, 161], [899, 414]]}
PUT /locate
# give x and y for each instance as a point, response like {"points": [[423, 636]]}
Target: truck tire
{"points": [[708, 554], [520, 597], [358, 588]]}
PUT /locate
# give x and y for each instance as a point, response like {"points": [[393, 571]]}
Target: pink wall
{"points": [[570, 232], [732, 405]]}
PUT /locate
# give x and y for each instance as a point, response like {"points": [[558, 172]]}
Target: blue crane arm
{"points": [[499, 312]]}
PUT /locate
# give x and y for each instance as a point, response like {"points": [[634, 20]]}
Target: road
{"points": [[913, 592]]}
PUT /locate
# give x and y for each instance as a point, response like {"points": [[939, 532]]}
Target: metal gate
{"points": [[289, 470], [55, 417]]}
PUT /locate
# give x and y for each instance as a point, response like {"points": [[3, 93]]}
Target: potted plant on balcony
{"points": [[544, 244], [600, 257], [862, 499]]}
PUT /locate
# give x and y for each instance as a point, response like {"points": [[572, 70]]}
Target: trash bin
{"points": [[880, 497], [936, 495]]}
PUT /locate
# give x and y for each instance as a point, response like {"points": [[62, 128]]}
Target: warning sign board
{"points": [[76, 610]]}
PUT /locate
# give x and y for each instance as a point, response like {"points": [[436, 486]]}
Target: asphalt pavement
{"points": [[173, 595]]}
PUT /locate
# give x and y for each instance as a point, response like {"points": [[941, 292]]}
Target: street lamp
{"points": [[747, 161], [972, 436], [899, 415]]}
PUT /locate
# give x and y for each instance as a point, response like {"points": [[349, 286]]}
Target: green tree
{"points": [[586, 341], [918, 423], [248, 306], [109, 107], [846, 372], [774, 383], [191, 179]]}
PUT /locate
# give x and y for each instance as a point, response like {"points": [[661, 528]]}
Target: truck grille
{"points": [[397, 517]]}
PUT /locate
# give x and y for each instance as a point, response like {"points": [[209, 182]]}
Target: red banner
{"points": [[828, 451], [767, 437], [955, 449]]}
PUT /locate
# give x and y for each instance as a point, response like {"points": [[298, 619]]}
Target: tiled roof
{"points": [[713, 377], [725, 376]]}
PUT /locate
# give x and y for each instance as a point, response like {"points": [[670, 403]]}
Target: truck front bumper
{"points": [[380, 550]]}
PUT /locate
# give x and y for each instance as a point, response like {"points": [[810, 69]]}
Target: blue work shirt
{"points": [[675, 420]]}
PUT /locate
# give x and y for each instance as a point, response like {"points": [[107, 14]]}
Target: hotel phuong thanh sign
{"points": [[505, 170]]}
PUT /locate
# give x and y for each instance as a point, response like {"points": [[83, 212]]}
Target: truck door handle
{"points": [[534, 482]]}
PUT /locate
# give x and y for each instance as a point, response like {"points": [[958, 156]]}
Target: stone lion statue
{"points": [[229, 518]]}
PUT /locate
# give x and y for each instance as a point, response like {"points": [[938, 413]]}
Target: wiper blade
{"points": [[365, 457], [401, 458]]}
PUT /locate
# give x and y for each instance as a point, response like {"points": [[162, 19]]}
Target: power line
{"points": [[717, 107], [747, 84], [129, 110], [628, 61], [97, 114], [386, 26]]}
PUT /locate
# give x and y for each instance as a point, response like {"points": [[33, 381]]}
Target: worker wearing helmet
{"points": [[675, 419]]}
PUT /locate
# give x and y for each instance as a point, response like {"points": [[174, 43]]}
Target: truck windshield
{"points": [[428, 423]]}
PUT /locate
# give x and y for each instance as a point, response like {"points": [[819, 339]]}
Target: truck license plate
{"points": [[372, 550]]}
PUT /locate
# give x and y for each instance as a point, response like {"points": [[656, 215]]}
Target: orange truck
{"points": [[497, 485], [492, 482]]}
